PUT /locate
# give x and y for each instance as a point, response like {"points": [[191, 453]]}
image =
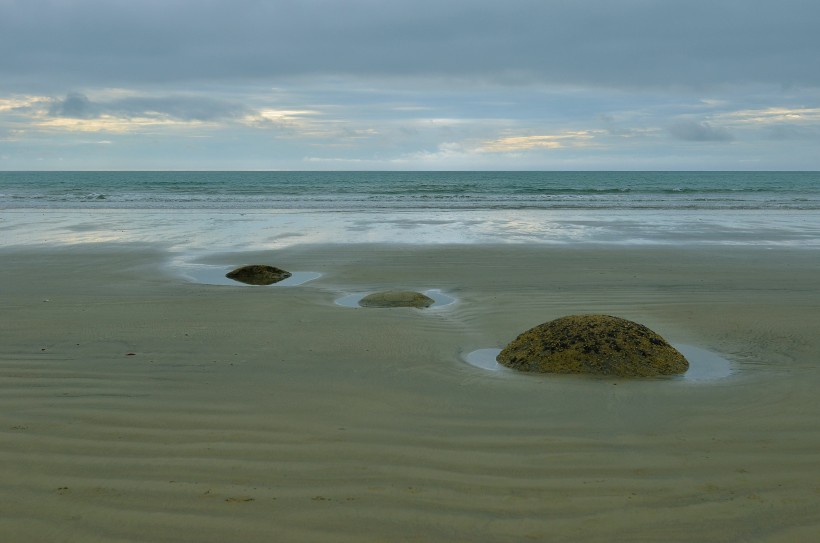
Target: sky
{"points": [[409, 85]]}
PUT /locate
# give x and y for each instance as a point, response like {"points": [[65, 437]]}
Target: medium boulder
{"points": [[396, 298], [596, 344], [258, 274]]}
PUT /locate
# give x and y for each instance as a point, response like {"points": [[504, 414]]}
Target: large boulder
{"points": [[396, 298], [596, 344], [258, 274]]}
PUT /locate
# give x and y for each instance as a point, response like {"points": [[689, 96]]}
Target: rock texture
{"points": [[258, 274], [596, 344], [396, 298]]}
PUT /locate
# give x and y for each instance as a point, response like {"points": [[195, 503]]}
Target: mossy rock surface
{"points": [[396, 298], [258, 274], [594, 344]]}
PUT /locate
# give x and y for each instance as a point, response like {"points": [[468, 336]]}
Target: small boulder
{"points": [[396, 298], [258, 274], [595, 344]]}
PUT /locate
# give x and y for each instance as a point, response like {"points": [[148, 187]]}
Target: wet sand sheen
{"points": [[136, 405]]}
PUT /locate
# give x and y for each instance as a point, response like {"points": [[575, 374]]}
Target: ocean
{"points": [[368, 191], [262, 210]]}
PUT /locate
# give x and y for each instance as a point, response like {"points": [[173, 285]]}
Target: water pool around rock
{"points": [[704, 365], [439, 299]]}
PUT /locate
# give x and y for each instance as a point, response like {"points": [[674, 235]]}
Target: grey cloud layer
{"points": [[383, 84], [625, 43]]}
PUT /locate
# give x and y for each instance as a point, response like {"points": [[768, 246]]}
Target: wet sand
{"points": [[139, 405]]}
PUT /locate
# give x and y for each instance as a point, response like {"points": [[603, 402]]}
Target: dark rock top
{"points": [[396, 298], [258, 274], [596, 344]]}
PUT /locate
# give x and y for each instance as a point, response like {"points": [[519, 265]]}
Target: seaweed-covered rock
{"points": [[258, 274], [596, 344], [396, 298]]}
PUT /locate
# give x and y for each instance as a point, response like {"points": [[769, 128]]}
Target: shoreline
{"points": [[203, 231], [136, 404]]}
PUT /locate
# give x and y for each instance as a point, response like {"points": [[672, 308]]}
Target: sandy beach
{"points": [[440, 182], [138, 405]]}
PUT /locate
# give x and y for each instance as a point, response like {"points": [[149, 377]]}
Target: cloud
{"points": [[511, 144], [74, 106], [124, 111], [628, 44], [108, 123], [689, 130], [773, 115], [792, 132], [180, 107], [277, 117], [21, 105], [778, 123], [187, 108]]}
